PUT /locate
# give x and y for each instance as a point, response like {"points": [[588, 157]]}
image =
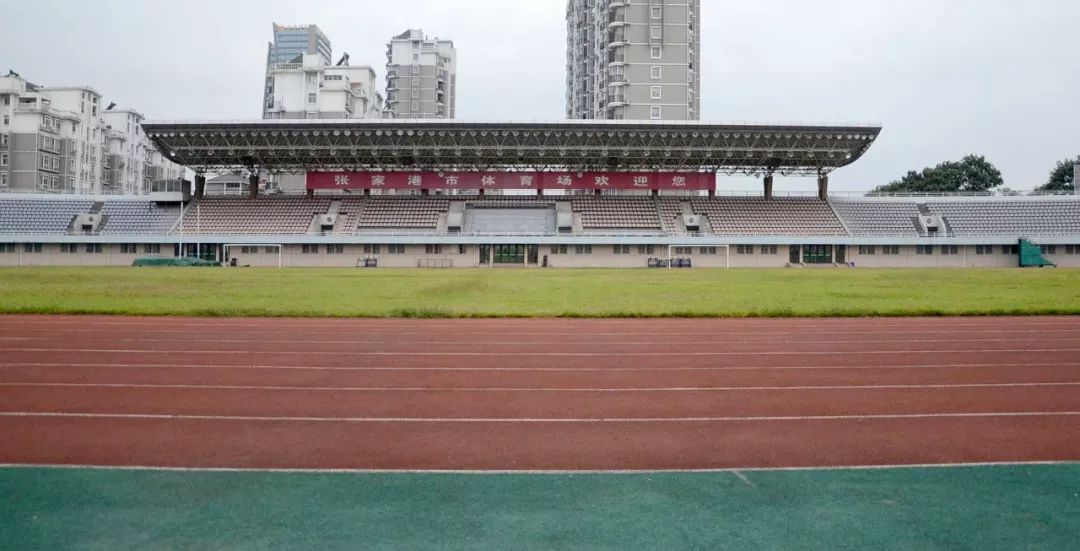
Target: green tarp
{"points": [[162, 262]]}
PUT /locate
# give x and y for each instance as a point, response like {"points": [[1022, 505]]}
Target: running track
{"points": [[537, 395]]}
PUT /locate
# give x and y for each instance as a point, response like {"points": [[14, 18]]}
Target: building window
{"points": [[622, 249], [1049, 249], [415, 93], [656, 92], [69, 248], [310, 249], [582, 249], [3, 159], [684, 250], [32, 248], [93, 248], [395, 249], [3, 180], [414, 106], [868, 250], [656, 32], [335, 249], [924, 249], [463, 249], [7, 247], [372, 249], [770, 249], [950, 250], [656, 52], [1010, 249], [656, 72], [657, 12], [655, 112], [646, 249], [432, 249], [311, 98], [707, 250], [129, 248], [890, 250], [311, 78], [152, 248], [558, 249], [415, 81], [1072, 249]]}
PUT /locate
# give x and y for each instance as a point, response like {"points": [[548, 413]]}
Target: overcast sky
{"points": [[945, 77]]}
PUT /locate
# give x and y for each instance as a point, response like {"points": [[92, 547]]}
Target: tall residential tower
{"points": [[421, 77], [291, 43], [635, 60]]}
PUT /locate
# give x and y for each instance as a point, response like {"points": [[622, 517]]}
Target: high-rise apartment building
{"points": [[421, 77], [65, 140], [312, 90], [291, 43], [635, 60]]}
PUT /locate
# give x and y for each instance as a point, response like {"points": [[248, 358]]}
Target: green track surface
{"points": [[1014, 507], [537, 293]]}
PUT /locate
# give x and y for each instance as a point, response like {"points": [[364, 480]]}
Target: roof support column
{"points": [[823, 186], [200, 185], [768, 180], [253, 185]]}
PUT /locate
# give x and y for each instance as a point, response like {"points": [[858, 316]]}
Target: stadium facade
{"points": [[574, 194]]}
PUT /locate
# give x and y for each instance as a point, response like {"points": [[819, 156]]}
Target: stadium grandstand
{"points": [[568, 194]]}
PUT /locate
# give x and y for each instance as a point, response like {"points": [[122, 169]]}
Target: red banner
{"points": [[590, 181]]}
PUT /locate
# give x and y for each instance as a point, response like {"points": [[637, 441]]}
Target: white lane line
{"points": [[459, 342], [743, 478], [548, 390], [529, 369], [542, 472], [515, 420], [538, 354]]}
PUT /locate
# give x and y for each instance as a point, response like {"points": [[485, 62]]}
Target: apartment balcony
{"points": [[617, 4]]}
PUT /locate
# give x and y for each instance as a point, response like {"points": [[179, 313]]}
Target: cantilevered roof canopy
{"points": [[359, 145]]}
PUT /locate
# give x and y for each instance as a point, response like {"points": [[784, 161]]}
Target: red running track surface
{"points": [[537, 394]]}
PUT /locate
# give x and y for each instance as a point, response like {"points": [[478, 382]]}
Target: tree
{"points": [[971, 174], [1061, 178]]}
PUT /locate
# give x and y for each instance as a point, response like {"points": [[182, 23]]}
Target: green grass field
{"points": [[984, 508], [537, 293]]}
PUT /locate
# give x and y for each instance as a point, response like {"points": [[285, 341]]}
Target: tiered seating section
{"points": [[780, 216], [617, 213], [1004, 217], [670, 211], [138, 218], [40, 216], [263, 216], [414, 213], [878, 217]]}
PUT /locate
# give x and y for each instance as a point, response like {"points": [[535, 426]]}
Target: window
{"points": [[558, 249], [890, 250], [868, 250], [249, 250], [312, 98], [433, 249], [622, 249], [654, 112], [1010, 249], [656, 92], [1071, 249], [69, 248], [310, 249], [311, 78], [93, 248], [950, 250], [372, 249], [582, 249], [415, 93], [656, 52], [707, 250], [129, 248], [32, 248], [463, 249], [3, 180], [152, 248], [744, 249], [3, 159], [657, 12], [656, 72], [395, 249], [924, 249], [335, 249], [770, 249], [656, 32], [415, 106], [684, 250], [1049, 249], [984, 249], [7, 247], [646, 249], [415, 81]]}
